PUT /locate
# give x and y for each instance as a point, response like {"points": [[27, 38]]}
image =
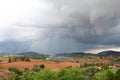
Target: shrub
{"points": [[77, 61], [117, 75], [42, 66], [15, 70], [26, 59], [26, 69], [36, 68], [1, 60], [104, 75]]}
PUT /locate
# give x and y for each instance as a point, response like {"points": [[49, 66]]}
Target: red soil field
{"points": [[48, 64]]}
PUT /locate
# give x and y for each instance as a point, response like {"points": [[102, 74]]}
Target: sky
{"points": [[59, 26]]}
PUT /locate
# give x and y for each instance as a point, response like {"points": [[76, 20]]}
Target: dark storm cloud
{"points": [[12, 47], [92, 23], [68, 25]]}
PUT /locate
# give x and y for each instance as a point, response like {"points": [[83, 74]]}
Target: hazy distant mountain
{"points": [[81, 54], [30, 54], [24, 54], [108, 53], [3, 53], [74, 54]]}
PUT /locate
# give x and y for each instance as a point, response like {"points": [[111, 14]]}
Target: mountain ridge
{"points": [[108, 53], [31, 53]]}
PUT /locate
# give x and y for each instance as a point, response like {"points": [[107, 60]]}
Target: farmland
{"points": [[50, 64], [17, 67]]}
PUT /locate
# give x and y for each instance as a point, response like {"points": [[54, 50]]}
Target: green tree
{"points": [[9, 60], [104, 75], [42, 66], [117, 75], [15, 70]]}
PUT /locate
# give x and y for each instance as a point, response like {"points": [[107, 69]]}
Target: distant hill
{"points": [[30, 54], [74, 54], [24, 54], [3, 53], [81, 54], [108, 53]]}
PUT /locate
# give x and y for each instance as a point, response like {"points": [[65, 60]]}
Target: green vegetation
{"points": [[86, 71], [42, 66], [69, 73], [9, 59], [116, 61], [15, 70], [39, 57]]}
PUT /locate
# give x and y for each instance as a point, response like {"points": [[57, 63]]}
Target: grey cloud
{"points": [[13, 46], [73, 25]]}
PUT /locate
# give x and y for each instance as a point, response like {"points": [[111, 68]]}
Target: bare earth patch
{"points": [[48, 64]]}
